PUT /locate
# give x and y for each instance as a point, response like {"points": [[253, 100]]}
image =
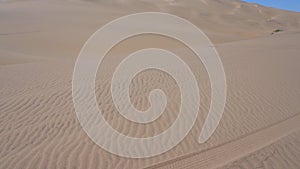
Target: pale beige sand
{"points": [[40, 40]]}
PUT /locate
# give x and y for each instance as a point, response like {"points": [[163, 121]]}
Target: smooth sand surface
{"points": [[39, 44]]}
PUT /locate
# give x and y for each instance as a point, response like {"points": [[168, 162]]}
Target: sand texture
{"points": [[39, 44]]}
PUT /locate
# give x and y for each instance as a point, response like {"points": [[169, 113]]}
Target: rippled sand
{"points": [[39, 44]]}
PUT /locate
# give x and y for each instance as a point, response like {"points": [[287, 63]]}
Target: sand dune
{"points": [[39, 44]]}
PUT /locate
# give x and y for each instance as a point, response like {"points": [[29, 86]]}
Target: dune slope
{"points": [[39, 43]]}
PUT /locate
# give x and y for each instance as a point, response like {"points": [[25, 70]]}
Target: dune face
{"points": [[39, 44], [64, 27]]}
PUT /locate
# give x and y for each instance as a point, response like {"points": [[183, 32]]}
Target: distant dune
{"points": [[39, 44]]}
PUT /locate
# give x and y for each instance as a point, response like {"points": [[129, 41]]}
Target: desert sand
{"points": [[39, 44]]}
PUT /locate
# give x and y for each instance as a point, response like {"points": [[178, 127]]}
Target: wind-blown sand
{"points": [[40, 41]]}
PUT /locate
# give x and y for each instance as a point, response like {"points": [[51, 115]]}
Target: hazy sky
{"points": [[293, 5]]}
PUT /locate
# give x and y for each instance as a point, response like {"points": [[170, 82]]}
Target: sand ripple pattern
{"points": [[39, 128]]}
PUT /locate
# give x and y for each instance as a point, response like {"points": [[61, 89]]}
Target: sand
{"points": [[39, 44]]}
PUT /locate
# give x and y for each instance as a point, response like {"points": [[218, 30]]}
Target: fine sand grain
{"points": [[39, 44]]}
